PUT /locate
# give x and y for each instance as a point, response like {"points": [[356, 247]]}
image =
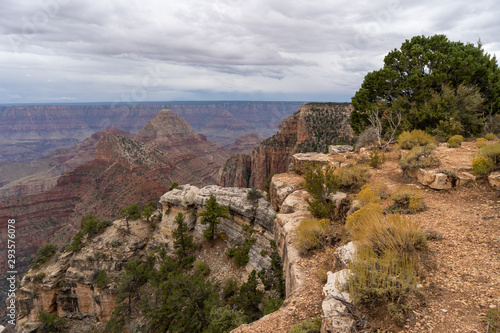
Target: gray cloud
{"points": [[231, 49]]}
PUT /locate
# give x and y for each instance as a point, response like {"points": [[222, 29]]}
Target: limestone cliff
{"points": [[313, 127], [67, 284]]}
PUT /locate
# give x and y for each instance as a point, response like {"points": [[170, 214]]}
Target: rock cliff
{"points": [[69, 287], [312, 128]]}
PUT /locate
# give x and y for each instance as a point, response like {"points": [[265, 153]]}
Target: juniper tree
{"points": [[211, 217]]}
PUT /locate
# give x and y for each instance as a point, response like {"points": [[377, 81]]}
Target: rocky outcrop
{"points": [[339, 149], [441, 179], [312, 128], [494, 179], [32, 131], [282, 185], [236, 171], [244, 214], [302, 161]]}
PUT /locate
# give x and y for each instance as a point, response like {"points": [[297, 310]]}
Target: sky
{"points": [[62, 51]]}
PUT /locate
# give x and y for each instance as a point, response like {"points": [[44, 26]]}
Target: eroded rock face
{"points": [[236, 171], [338, 149], [301, 161], [282, 185]]}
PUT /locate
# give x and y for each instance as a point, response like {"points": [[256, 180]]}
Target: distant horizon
{"points": [[175, 102]]}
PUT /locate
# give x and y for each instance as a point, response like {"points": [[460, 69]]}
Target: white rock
{"points": [[344, 254], [494, 179], [333, 322], [338, 149]]}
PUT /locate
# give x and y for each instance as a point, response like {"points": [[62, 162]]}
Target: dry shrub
{"points": [[367, 138], [385, 233], [384, 270], [490, 137], [455, 141], [388, 281], [310, 234], [407, 200], [492, 152], [368, 195], [377, 158], [365, 213], [481, 166], [481, 142], [419, 158], [408, 140], [352, 176]]}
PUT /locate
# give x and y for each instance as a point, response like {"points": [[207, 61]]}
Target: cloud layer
{"points": [[132, 51]]}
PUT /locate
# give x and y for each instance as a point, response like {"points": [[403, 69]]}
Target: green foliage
{"points": [[102, 280], [321, 184], [116, 323], [50, 323], [325, 124], [132, 212], [229, 289], [492, 152], [377, 158], [307, 326], [134, 276], [184, 245], [419, 158], [91, 225], [174, 186], [116, 243], [44, 254], [77, 242], [408, 140], [310, 234], [455, 141], [272, 304], [211, 217], [273, 278], [239, 252], [38, 278], [253, 194], [267, 185], [250, 297], [437, 79], [149, 209], [201, 268], [352, 176], [223, 319], [493, 320]]}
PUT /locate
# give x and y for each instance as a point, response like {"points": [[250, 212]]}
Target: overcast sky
{"points": [[164, 50]]}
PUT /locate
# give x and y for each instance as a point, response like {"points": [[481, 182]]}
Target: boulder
{"points": [[182, 196], [333, 321], [435, 179], [300, 161], [338, 149], [494, 179]]}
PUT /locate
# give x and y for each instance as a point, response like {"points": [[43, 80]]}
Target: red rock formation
{"points": [[313, 127], [236, 171]]}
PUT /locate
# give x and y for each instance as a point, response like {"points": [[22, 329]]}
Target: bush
{"points": [[455, 141], [490, 137], [310, 234], [388, 281], [44, 254], [239, 252], [354, 176], [366, 212], [77, 242], [102, 280], [38, 278], [368, 195], [273, 304], [50, 323], [407, 200], [224, 319], [367, 138], [253, 194], [116, 243], [307, 326], [174, 186], [408, 140], [91, 225], [481, 166], [481, 142], [377, 158], [419, 158], [321, 184], [201, 268], [492, 152], [493, 320], [229, 289]]}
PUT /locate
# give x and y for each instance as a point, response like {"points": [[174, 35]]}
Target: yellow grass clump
{"points": [[310, 234]]}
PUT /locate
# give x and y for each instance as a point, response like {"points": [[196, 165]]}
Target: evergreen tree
{"points": [[183, 242], [211, 217], [132, 212], [250, 297], [149, 209]]}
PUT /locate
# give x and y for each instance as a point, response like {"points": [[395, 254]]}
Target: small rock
{"points": [[444, 310]]}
